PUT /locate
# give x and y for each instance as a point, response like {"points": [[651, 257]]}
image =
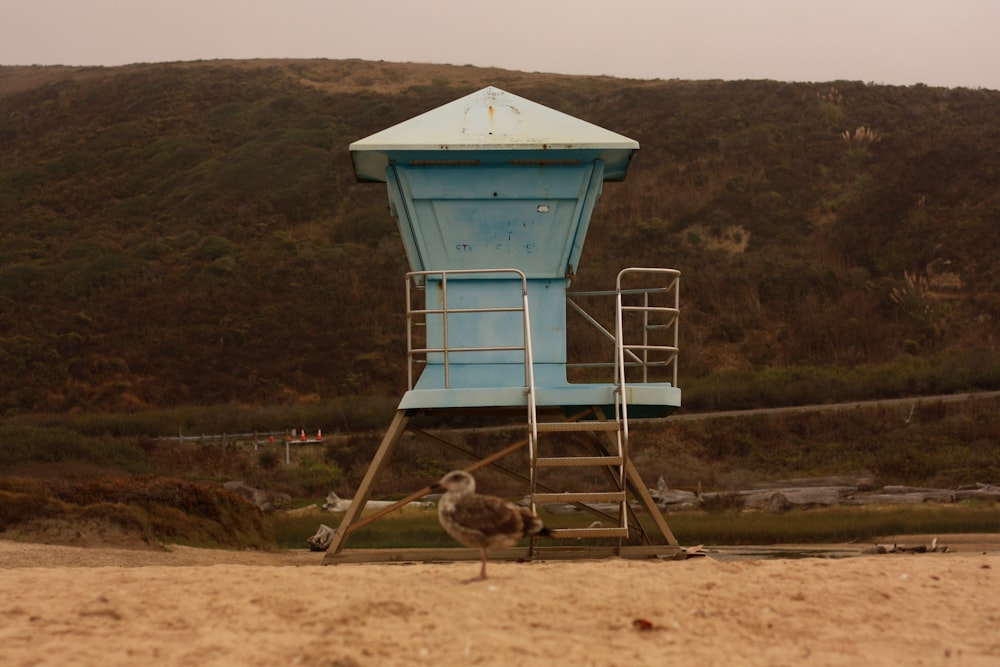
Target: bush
{"points": [[154, 509], [317, 479], [21, 444], [268, 459]]}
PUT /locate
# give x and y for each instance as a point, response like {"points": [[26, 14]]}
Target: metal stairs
{"points": [[608, 435], [611, 460]]}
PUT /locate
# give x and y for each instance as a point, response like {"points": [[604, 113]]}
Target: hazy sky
{"points": [[936, 42]]}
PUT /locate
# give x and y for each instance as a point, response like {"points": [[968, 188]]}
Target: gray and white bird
{"points": [[479, 521]]}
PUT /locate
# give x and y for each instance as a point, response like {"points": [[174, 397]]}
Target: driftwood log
{"points": [[934, 547], [781, 496], [820, 492], [322, 539], [335, 503]]}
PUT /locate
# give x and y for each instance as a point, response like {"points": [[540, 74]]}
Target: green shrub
{"points": [[317, 479], [21, 444], [268, 459]]}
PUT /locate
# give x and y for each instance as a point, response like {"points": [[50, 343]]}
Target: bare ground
{"points": [[114, 606]]}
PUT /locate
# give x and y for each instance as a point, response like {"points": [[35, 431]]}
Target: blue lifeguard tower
{"points": [[493, 195]]}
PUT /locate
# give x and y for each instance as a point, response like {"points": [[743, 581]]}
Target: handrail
{"points": [[529, 370], [638, 355], [445, 311], [621, 407], [446, 350], [672, 287]]}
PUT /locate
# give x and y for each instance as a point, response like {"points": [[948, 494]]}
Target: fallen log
{"points": [[903, 549], [335, 503], [911, 498], [863, 483], [780, 500], [322, 539], [988, 492]]}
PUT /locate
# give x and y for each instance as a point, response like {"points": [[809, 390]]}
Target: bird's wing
{"points": [[489, 515]]}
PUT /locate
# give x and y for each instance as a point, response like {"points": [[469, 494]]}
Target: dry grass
{"points": [[412, 527], [331, 76], [138, 511]]}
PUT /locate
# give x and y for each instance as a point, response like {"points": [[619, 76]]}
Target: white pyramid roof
{"points": [[489, 119]]}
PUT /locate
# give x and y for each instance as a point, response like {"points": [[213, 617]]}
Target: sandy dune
{"points": [[72, 606]]}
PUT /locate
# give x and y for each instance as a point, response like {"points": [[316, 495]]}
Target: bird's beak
{"points": [[436, 488]]}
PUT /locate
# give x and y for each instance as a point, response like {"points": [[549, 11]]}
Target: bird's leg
{"points": [[482, 569]]}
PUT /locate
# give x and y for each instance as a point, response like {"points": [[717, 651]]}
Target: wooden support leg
{"points": [[639, 489], [382, 455], [417, 495]]}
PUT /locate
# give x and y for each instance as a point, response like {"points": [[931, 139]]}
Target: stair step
{"points": [[566, 533], [577, 426], [577, 461], [585, 497]]}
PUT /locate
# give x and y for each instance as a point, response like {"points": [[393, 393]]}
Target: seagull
{"points": [[479, 521]]}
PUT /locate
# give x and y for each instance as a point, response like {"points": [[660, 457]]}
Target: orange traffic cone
{"points": [[319, 434]]}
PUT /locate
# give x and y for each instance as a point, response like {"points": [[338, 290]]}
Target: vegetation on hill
{"points": [[183, 249], [191, 234], [150, 512]]}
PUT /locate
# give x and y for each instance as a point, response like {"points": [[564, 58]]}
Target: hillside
{"points": [[191, 233]]}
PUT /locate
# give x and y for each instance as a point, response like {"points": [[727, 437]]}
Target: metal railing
{"points": [[653, 318], [446, 311], [417, 280], [655, 324]]}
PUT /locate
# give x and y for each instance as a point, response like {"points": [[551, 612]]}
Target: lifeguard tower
{"points": [[493, 195]]}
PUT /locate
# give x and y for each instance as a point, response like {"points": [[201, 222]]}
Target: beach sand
{"points": [[62, 605]]}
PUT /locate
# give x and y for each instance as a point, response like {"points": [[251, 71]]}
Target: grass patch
{"points": [[348, 414], [23, 444], [415, 528], [407, 528], [838, 524], [952, 371]]}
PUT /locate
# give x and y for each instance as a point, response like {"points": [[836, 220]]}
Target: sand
{"points": [[96, 606]]}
